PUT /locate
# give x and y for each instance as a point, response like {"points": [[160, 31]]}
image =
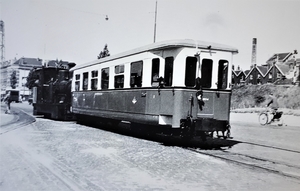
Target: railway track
{"points": [[268, 146], [259, 159], [20, 119]]}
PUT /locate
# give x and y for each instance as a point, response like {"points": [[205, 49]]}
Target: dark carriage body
{"points": [[52, 93], [165, 107]]}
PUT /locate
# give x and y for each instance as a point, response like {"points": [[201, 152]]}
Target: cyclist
{"points": [[274, 104]]}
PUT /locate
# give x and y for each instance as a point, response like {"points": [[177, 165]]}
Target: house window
{"points": [[190, 71], [206, 72], [104, 78], [169, 71], [155, 72], [279, 75], [85, 81], [94, 80], [77, 82], [119, 77], [136, 74]]}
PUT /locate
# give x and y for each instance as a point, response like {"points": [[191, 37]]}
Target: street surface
{"points": [[41, 154]]}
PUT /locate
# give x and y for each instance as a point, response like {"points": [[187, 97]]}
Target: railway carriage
{"points": [[176, 86]]}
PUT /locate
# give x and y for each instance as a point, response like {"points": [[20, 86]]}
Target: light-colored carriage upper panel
{"points": [[161, 46]]}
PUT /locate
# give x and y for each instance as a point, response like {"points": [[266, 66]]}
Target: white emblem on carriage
{"points": [[134, 100], [205, 99]]}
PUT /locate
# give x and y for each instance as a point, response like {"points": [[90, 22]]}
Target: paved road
{"points": [[54, 155]]}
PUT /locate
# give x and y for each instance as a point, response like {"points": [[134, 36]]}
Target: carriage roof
{"points": [[163, 45]]}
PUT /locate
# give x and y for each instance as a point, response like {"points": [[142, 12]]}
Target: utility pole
{"points": [[2, 41], [155, 20]]}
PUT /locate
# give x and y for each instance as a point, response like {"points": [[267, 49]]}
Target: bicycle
{"points": [[268, 117]]}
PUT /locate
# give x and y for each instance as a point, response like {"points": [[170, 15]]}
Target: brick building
{"points": [[281, 68]]}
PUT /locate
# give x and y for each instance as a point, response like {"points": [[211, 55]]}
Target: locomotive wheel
{"points": [[263, 118]]}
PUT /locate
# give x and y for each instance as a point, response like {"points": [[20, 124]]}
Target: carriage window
{"points": [[85, 80], [190, 71], [77, 82], [136, 74], [119, 69], [222, 74], [119, 79], [155, 72], [104, 78], [206, 73], [168, 71], [94, 80]]}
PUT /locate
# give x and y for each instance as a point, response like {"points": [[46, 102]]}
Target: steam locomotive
{"points": [[52, 91]]}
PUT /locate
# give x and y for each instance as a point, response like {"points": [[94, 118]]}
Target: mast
{"points": [[155, 20]]}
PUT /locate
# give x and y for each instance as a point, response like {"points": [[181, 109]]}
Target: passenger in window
{"points": [[76, 86], [138, 81], [161, 82], [155, 80], [155, 77]]}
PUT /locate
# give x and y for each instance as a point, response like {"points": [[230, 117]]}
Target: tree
{"points": [[104, 53], [13, 80], [31, 79]]}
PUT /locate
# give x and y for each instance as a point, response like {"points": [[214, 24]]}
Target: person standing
{"points": [[7, 101]]}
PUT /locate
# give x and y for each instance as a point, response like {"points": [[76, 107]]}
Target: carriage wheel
{"points": [[263, 118]]}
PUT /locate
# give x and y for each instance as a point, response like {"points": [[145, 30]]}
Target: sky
{"points": [[76, 30]]}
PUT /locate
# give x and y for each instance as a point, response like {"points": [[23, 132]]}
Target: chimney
{"points": [[253, 58]]}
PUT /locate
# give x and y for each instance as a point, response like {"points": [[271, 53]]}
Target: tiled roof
{"points": [[281, 56], [263, 69], [247, 72], [237, 72], [29, 62], [283, 68]]}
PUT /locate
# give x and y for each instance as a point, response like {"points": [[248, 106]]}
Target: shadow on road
{"points": [[211, 143]]}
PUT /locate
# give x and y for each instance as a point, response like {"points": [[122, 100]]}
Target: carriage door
{"points": [[206, 80]]}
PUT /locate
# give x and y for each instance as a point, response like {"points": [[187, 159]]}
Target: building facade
{"points": [[22, 68]]}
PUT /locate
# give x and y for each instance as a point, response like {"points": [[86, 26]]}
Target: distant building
{"points": [[281, 68], [22, 67], [238, 76], [6, 69]]}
